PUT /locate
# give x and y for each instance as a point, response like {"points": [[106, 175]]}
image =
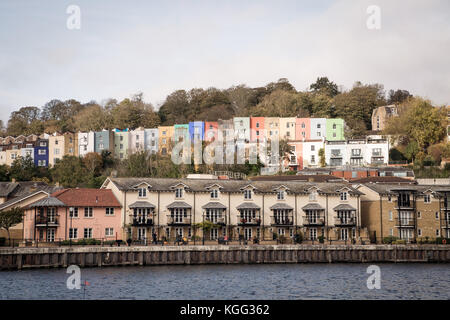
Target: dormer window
{"points": [[247, 194], [344, 196], [313, 196], [214, 194], [179, 193], [142, 192], [280, 195], [427, 198]]}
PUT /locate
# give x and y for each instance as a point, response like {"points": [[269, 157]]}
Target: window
{"points": [[43, 144], [73, 233], [419, 232], [344, 196], [247, 194], [42, 163], [142, 192], [73, 212], [42, 152], [56, 151], [87, 233], [109, 232], [56, 141], [419, 215], [13, 155], [437, 215], [437, 233], [70, 150], [88, 212], [101, 146], [303, 125], [214, 194], [257, 124], [257, 132], [85, 148], [313, 148], [313, 159], [137, 137], [334, 125], [390, 198], [164, 141], [391, 232], [318, 133], [427, 198], [109, 211], [390, 215], [280, 195], [121, 155], [121, 138], [313, 196], [179, 193], [318, 126], [121, 146], [356, 152]]}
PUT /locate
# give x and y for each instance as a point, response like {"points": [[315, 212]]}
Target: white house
{"points": [[86, 143]]}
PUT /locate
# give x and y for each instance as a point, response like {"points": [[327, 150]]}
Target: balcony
{"points": [[344, 221], [377, 160], [142, 221], [222, 221], [282, 221], [46, 222], [405, 223], [178, 220], [247, 221], [313, 221], [445, 223], [404, 205]]}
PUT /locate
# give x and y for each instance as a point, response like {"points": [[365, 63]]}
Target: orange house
{"points": [[256, 128], [211, 131], [74, 214], [303, 129]]}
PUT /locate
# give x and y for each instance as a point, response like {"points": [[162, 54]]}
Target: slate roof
{"points": [[214, 205], [48, 202], [248, 205], [200, 185], [141, 204], [313, 206], [390, 189], [279, 206], [344, 207], [179, 204]]}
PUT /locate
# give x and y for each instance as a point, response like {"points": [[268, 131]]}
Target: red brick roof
{"points": [[84, 197]]}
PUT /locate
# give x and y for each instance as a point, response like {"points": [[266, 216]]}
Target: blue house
{"points": [[41, 153], [197, 130], [104, 140]]}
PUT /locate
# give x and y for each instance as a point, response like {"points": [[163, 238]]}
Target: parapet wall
{"points": [[19, 258]]}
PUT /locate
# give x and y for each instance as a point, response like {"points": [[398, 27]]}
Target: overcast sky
{"points": [[124, 47]]}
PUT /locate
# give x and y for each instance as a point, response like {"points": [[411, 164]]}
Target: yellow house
{"points": [[165, 135], [60, 145], [272, 127], [287, 128], [12, 154]]}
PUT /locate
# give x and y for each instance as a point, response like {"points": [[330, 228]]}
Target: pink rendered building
{"points": [[256, 128], [303, 129], [74, 214]]}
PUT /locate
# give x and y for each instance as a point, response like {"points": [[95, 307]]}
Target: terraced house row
{"points": [[146, 208], [305, 135]]}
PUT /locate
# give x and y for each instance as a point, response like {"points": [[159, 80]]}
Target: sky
{"points": [[157, 47]]}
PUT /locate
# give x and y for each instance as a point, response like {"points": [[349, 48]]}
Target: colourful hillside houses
{"points": [[287, 128], [165, 136], [335, 130], [318, 128], [181, 132], [197, 130], [302, 129], [121, 143], [211, 130], [61, 145], [86, 143], [41, 153], [104, 141], [74, 214], [257, 129], [242, 128], [151, 140]]}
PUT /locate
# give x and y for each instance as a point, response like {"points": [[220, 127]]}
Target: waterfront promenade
{"points": [[94, 256]]}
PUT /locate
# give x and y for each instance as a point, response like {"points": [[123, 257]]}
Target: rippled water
{"points": [[299, 281]]}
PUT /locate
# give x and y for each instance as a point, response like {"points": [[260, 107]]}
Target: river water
{"points": [[281, 281]]}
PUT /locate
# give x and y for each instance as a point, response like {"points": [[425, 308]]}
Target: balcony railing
{"points": [[247, 221], [282, 221], [142, 221], [45, 221], [178, 220], [313, 221], [221, 220], [344, 221], [405, 223], [404, 205]]}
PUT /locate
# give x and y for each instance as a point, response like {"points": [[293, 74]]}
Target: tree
{"points": [[20, 121], [137, 165], [10, 218], [206, 227], [281, 103], [134, 113], [23, 169], [93, 163], [324, 86], [398, 96], [322, 157], [69, 172]]}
